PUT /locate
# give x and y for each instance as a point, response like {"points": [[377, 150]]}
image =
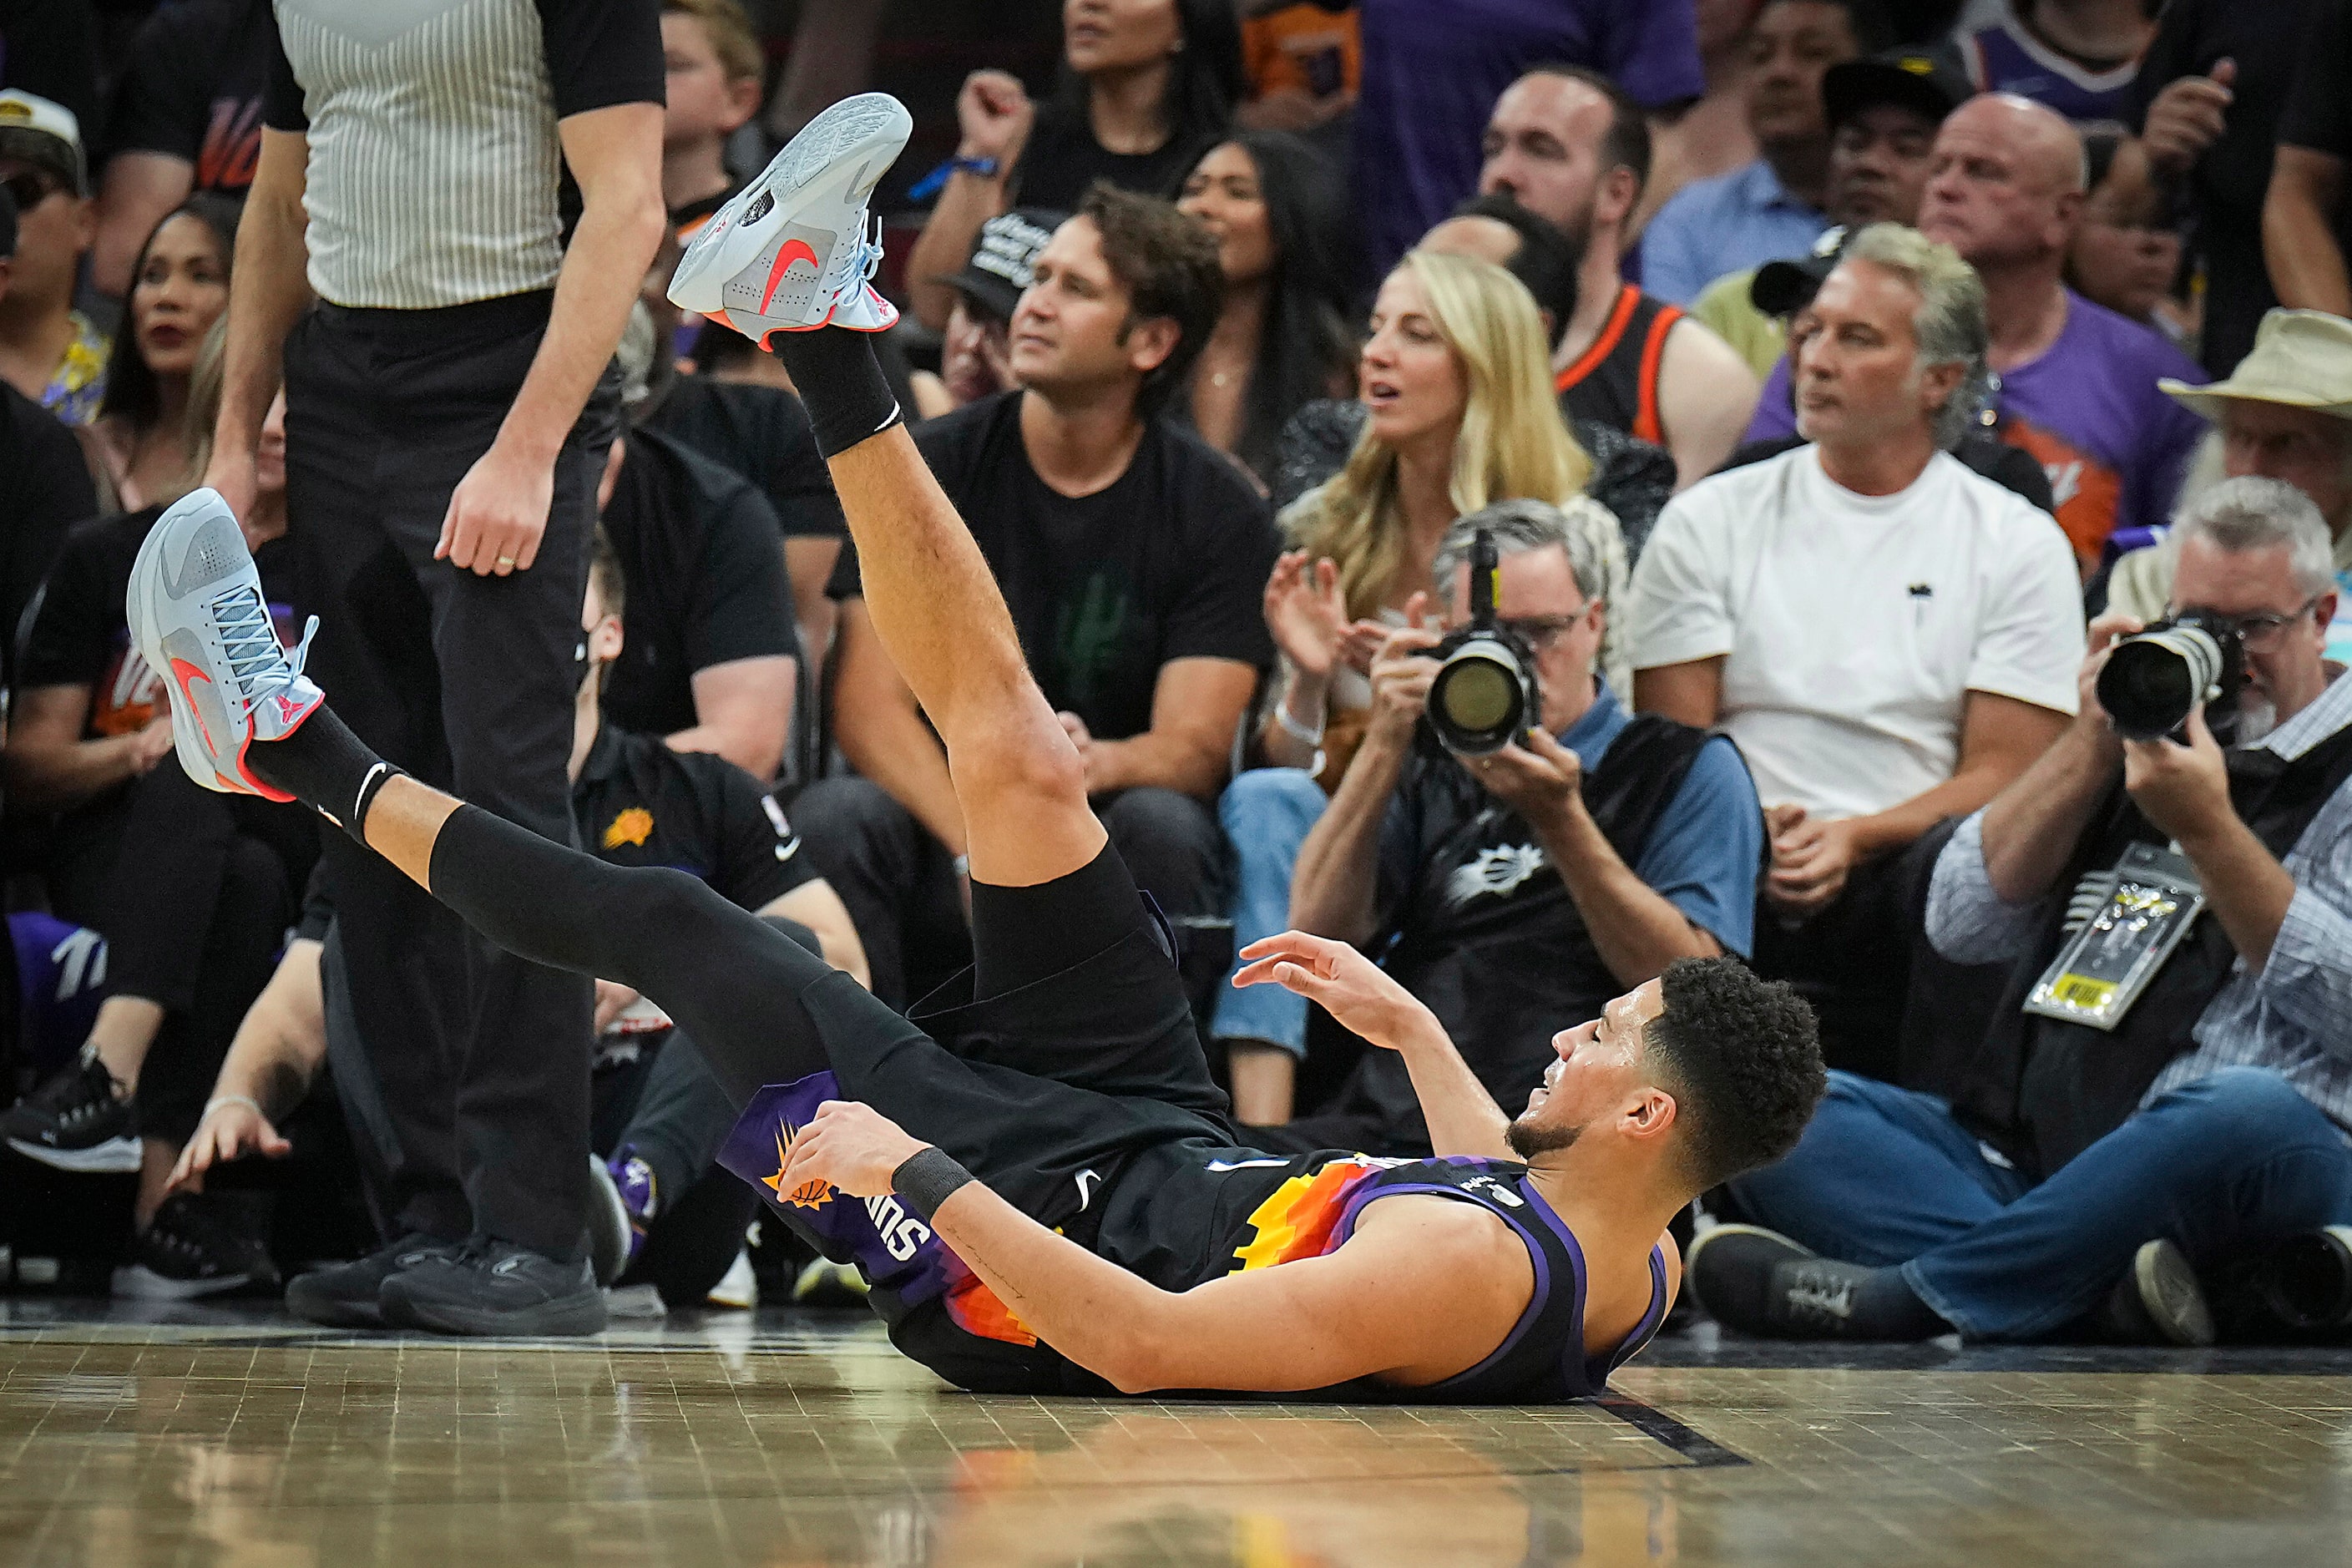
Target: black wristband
{"points": [[926, 1179]]}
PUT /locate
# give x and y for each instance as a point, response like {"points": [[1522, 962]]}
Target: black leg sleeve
{"points": [[730, 981]]}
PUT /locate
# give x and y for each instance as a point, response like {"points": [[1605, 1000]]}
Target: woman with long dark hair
{"points": [[1279, 212], [139, 442], [1146, 87]]}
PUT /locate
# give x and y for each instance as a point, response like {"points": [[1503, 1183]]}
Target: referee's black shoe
{"points": [[490, 1287], [349, 1295]]}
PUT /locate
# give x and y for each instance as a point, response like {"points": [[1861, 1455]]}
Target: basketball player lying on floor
{"points": [[1052, 1200]]}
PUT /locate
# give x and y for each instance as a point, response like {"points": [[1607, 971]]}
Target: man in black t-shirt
{"points": [[45, 486], [185, 116], [2308, 219], [714, 661], [1134, 559], [2206, 103]]}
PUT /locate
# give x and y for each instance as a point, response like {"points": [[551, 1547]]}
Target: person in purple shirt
{"points": [[2077, 381], [1772, 207], [1431, 74], [2079, 57]]}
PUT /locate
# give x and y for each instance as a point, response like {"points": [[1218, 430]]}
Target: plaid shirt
{"points": [[2294, 1016]]}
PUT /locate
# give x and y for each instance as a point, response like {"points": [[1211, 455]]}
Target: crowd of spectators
{"points": [[1839, 382]]}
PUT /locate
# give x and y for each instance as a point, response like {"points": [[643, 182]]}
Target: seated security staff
{"points": [[1510, 890], [1888, 637], [716, 653], [636, 802], [2013, 1211], [1134, 557]]}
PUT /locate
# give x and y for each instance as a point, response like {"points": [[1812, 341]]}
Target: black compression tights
{"points": [[730, 981]]}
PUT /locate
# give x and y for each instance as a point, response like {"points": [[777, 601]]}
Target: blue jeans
{"points": [[1266, 814], [1886, 1177]]}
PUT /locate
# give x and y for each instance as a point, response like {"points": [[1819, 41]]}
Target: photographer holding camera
{"points": [[1527, 879], [2165, 1091]]}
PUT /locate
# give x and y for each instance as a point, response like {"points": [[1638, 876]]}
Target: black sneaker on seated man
{"points": [[75, 1122], [1759, 1282], [491, 1286], [200, 1244]]}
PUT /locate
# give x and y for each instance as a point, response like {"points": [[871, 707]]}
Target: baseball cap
{"points": [[41, 133], [1930, 83], [1785, 287], [1002, 260]]}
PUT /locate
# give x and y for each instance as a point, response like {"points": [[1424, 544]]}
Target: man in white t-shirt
{"points": [[1889, 638]]}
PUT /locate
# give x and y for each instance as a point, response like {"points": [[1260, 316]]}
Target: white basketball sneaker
{"points": [[199, 619], [791, 251]]}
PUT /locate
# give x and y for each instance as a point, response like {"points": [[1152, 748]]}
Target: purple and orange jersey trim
{"points": [[1302, 1218]]}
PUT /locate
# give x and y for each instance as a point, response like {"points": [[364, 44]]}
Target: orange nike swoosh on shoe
{"points": [[792, 250], [184, 672]]}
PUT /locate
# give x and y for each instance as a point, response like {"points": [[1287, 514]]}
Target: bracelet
{"points": [[927, 1178], [1294, 729], [216, 1101], [930, 185]]}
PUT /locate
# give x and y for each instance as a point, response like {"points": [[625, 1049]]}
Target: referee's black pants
{"points": [[467, 682]]}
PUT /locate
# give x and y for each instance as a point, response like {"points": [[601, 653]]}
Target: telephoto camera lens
{"points": [[2151, 682], [1479, 701]]}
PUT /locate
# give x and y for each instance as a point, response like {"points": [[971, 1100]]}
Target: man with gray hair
{"points": [[2077, 383], [1508, 891], [1889, 638], [2165, 1091]]}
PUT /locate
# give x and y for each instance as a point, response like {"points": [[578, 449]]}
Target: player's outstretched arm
{"points": [[1417, 1295], [1462, 1117]]}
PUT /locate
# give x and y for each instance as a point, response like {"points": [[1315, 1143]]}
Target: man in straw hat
{"points": [[2286, 413]]}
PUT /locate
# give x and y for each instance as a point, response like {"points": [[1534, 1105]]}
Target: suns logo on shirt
{"points": [[808, 1194], [634, 825], [1496, 871]]}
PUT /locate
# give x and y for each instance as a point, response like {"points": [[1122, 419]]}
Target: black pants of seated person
{"points": [[670, 1111], [1854, 960], [898, 882], [193, 891]]}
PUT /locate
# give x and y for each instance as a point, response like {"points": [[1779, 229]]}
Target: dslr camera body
{"points": [[2155, 679], [1486, 694]]}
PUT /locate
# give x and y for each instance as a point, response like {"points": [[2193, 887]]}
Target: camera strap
{"points": [[2125, 922]]}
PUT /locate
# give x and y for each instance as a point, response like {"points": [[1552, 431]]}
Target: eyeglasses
{"points": [[30, 188], [1537, 631], [2260, 631]]}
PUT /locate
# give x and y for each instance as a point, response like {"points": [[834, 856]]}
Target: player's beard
{"points": [[1529, 1137]]}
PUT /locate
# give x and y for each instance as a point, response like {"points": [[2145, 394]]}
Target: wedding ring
{"points": [[506, 561]]}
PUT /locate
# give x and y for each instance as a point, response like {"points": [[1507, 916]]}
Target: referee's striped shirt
{"points": [[436, 175]]}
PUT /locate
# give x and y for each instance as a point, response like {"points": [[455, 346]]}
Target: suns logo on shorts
{"points": [[809, 1195], [634, 825]]}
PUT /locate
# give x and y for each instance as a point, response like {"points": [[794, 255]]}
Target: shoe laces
{"points": [[257, 661], [860, 260]]}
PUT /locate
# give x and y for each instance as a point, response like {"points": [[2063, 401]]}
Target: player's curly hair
{"points": [[1744, 1058]]}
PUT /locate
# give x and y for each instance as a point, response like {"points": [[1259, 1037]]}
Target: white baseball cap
{"points": [[37, 131]]}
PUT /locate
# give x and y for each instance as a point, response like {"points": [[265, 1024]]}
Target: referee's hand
{"points": [[498, 514]]}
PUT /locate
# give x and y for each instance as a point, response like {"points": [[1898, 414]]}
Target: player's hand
{"points": [[229, 1131], [994, 114], [1360, 994], [1811, 863], [498, 514], [1542, 780], [612, 999], [2184, 790], [148, 745], [852, 1148], [2187, 118]]}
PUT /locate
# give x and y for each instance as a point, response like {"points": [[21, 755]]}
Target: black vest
{"points": [[2044, 1090], [1506, 971]]}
